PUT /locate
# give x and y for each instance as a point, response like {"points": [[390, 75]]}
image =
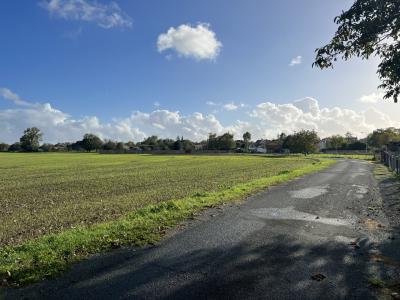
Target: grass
{"points": [[350, 156], [86, 204]]}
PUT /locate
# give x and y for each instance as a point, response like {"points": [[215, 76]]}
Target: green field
{"points": [[43, 193], [59, 208]]}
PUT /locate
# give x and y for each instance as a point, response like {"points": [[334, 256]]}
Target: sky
{"points": [[129, 69]]}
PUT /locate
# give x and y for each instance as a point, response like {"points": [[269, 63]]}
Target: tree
{"points": [[226, 142], [15, 147], [120, 146], [91, 142], [47, 147], [368, 28], [4, 147], [381, 137], [336, 141], [109, 145], [31, 138], [246, 139], [304, 141]]}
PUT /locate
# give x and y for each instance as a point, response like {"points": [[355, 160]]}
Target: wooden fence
{"points": [[392, 160]]}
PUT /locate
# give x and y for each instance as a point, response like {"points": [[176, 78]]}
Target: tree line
{"points": [[303, 141]]}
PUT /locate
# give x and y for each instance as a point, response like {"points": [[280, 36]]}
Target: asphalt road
{"points": [[329, 224]]}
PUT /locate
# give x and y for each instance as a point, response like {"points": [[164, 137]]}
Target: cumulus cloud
{"points": [[296, 61], [104, 15], [371, 98], [198, 42], [307, 114], [265, 120]]}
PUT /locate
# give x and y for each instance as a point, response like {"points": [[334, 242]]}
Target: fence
{"points": [[392, 160]]}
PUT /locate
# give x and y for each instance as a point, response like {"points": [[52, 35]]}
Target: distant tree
{"points": [[187, 146], [120, 146], [91, 142], [368, 28], [336, 141], [16, 147], [151, 142], [304, 141], [381, 137], [130, 145], [212, 142], [109, 145], [4, 147], [247, 139], [46, 147], [226, 142], [31, 138]]}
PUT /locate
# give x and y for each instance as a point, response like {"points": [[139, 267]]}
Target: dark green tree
{"points": [[109, 145], [15, 147], [304, 141], [368, 28], [91, 142], [226, 142], [4, 147], [30, 140], [336, 141], [247, 139], [381, 137]]}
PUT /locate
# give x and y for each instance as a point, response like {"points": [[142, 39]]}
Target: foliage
{"points": [[4, 147], [30, 140], [223, 142], [15, 147], [304, 141], [202, 182], [47, 147], [109, 145], [381, 137], [336, 141], [246, 139], [91, 142], [369, 27]]}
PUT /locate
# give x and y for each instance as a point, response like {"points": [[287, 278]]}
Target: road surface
{"points": [[322, 236]]}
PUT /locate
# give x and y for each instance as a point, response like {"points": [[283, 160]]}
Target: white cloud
{"points": [[9, 95], [372, 98], [230, 106], [198, 42], [104, 15], [307, 114], [266, 120], [296, 61]]}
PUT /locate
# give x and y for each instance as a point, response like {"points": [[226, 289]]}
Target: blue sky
{"points": [[91, 71]]}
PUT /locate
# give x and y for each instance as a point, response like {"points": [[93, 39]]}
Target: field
{"points": [[58, 208]]}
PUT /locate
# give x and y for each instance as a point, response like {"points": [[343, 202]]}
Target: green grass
{"points": [[350, 156], [75, 205]]}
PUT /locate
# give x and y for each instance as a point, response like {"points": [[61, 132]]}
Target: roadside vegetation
{"points": [[60, 208]]}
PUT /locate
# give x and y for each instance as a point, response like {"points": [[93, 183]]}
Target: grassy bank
{"points": [[50, 254], [350, 156]]}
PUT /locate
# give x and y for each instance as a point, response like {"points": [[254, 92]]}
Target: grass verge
{"points": [[49, 255]]}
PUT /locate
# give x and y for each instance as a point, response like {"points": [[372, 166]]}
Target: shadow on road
{"points": [[283, 268]]}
